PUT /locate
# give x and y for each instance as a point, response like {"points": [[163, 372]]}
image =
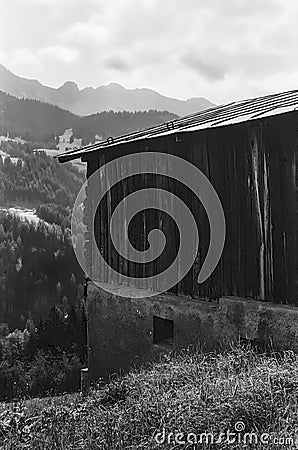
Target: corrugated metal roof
{"points": [[232, 113]]}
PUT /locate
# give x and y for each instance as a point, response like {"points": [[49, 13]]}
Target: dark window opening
{"points": [[163, 331]]}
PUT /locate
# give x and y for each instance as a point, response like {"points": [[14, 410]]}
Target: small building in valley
{"points": [[13, 160], [248, 151], [68, 143]]}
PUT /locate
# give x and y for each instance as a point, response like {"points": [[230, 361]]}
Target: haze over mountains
{"points": [[93, 100]]}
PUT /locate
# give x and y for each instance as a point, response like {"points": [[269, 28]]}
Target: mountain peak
{"points": [[115, 86], [104, 98], [69, 85]]}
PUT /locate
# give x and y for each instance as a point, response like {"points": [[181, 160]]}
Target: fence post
{"points": [[84, 380]]}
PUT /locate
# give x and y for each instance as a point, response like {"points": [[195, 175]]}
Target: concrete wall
{"points": [[120, 329], [260, 322]]}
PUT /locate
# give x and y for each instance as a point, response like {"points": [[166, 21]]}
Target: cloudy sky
{"points": [[219, 49]]}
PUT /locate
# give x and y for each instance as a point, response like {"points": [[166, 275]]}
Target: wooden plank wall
{"points": [[252, 167]]}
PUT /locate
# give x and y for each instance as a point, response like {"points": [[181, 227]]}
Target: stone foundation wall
{"points": [[260, 322], [120, 329]]}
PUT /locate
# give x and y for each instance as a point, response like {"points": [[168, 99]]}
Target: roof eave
{"points": [[249, 110]]}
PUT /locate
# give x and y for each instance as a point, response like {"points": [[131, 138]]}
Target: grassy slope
{"points": [[190, 393]]}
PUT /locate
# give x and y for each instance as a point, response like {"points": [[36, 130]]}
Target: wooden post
{"points": [[84, 380]]}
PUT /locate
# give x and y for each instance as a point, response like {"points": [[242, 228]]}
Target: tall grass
{"points": [[189, 393]]}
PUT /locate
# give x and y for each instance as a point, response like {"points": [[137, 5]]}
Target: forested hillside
{"points": [[37, 121], [42, 312], [38, 269], [117, 123], [42, 315], [37, 178], [33, 259], [31, 119]]}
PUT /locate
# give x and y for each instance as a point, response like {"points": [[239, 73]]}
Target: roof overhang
{"points": [[219, 116]]}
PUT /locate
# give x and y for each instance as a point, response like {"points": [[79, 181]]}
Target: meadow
{"points": [[192, 395]]}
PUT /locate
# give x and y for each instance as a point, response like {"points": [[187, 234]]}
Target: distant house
{"points": [[98, 139], [20, 140], [66, 136], [14, 161], [9, 139], [4, 138], [68, 143], [249, 152], [41, 150], [4, 155]]}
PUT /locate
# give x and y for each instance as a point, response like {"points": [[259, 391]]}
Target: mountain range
{"points": [[91, 100]]}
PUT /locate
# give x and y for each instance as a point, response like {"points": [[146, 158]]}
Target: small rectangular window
{"points": [[163, 331]]}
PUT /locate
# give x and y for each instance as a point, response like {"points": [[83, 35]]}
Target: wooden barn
{"points": [[248, 151]]}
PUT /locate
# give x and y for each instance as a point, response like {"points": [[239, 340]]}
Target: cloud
{"points": [[22, 58], [59, 53], [208, 70], [117, 63], [80, 33], [213, 48]]}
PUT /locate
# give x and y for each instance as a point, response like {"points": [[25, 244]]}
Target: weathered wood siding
{"points": [[253, 169]]}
